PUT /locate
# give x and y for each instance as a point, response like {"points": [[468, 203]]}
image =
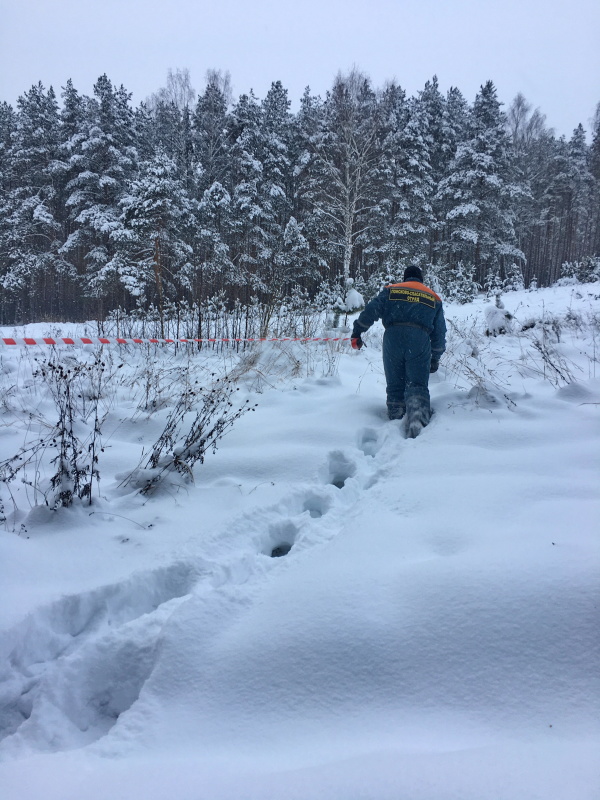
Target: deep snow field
{"points": [[432, 634]]}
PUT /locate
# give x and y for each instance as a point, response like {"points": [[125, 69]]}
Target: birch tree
{"points": [[348, 154]]}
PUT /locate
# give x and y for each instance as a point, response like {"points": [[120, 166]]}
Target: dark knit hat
{"points": [[413, 274]]}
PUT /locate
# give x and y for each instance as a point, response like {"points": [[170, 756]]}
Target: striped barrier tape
{"points": [[85, 340]]}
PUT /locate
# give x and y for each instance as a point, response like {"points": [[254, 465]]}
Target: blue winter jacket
{"points": [[408, 303]]}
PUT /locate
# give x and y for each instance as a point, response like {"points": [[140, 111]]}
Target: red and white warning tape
{"points": [[85, 340]]}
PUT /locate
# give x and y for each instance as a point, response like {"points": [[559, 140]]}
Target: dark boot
{"points": [[395, 411], [418, 414]]}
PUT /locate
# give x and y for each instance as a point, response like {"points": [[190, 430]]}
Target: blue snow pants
{"points": [[406, 362]]}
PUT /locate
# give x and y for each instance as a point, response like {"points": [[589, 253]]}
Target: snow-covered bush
{"points": [[497, 319], [472, 360], [433, 279], [197, 422], [492, 283], [77, 389], [455, 284], [354, 299], [376, 281], [585, 271], [335, 298], [514, 281], [297, 316]]}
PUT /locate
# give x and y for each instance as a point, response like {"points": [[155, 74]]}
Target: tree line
{"points": [[191, 197]]}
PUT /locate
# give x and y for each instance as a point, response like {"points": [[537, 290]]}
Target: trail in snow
{"points": [[85, 658]]}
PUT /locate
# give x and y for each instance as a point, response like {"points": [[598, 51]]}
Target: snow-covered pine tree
{"points": [[581, 215], [215, 271], [73, 133], [30, 229], [411, 227], [171, 133], [105, 158], [8, 125], [309, 183], [595, 170], [458, 284], [185, 153], [211, 131], [285, 258], [480, 192], [555, 208], [433, 106], [7, 129], [154, 260], [247, 234], [530, 142], [514, 281], [293, 260], [454, 125], [379, 255]]}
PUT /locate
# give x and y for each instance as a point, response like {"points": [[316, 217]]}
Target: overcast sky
{"points": [[547, 49]]}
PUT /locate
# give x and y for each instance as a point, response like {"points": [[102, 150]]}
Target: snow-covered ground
{"points": [[432, 633]]}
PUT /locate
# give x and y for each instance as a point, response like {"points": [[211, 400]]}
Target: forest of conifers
{"points": [[180, 201]]}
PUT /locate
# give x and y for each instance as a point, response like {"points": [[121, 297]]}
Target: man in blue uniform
{"points": [[413, 342]]}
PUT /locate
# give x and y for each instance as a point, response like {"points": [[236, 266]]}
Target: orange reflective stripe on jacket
{"points": [[414, 285]]}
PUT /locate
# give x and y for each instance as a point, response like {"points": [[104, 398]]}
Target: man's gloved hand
{"points": [[356, 340], [434, 365]]}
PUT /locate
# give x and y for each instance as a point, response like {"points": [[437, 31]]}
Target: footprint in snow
{"points": [[339, 469], [316, 504], [368, 442], [281, 538]]}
